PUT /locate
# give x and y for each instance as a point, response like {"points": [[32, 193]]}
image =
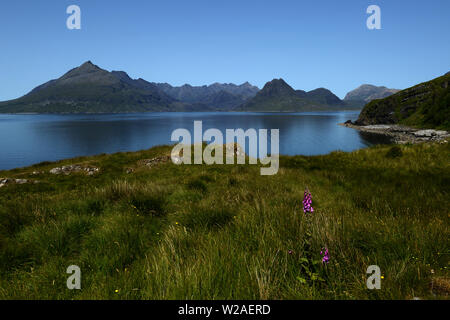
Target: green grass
{"points": [[225, 231]]}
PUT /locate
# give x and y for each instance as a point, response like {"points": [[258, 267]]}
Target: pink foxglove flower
{"points": [[326, 255], [307, 202]]}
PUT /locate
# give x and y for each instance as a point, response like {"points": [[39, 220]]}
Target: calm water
{"points": [[30, 139]]}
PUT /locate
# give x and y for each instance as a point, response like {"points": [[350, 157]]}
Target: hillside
{"points": [[426, 105], [143, 228], [91, 89], [277, 95]]}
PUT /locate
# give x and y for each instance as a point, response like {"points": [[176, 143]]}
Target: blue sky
{"points": [[310, 44]]}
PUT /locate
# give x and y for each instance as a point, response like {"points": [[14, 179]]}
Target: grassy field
{"points": [[226, 232]]}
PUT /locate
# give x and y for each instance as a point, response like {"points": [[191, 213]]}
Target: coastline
{"points": [[403, 134]]}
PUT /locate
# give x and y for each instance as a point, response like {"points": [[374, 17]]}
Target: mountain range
{"points": [[91, 89], [217, 96]]}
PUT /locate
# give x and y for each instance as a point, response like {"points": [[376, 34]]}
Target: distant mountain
{"points": [[216, 96], [324, 96], [89, 88], [368, 92], [424, 105], [277, 95]]}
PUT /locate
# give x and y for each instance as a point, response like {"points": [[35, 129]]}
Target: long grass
{"points": [[226, 232]]}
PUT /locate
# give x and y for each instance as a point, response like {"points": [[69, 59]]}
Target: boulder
{"points": [[4, 181], [425, 133], [56, 170]]}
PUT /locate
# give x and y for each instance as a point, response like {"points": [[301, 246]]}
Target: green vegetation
{"points": [[426, 105], [225, 231]]}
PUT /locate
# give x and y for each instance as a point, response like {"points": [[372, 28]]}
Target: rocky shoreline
{"points": [[402, 134]]}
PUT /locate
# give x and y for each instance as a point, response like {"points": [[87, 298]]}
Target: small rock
{"points": [[56, 171], [5, 181], [425, 133], [153, 161], [21, 181]]}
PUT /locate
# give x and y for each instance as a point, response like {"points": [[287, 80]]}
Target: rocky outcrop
{"points": [[154, 161], [403, 134], [8, 181], [75, 168]]}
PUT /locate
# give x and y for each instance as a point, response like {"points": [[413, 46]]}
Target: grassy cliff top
{"points": [[148, 229]]}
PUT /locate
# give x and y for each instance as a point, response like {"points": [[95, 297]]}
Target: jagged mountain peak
{"points": [[86, 67], [276, 87]]}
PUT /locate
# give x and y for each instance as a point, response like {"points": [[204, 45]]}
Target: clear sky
{"points": [[309, 43]]}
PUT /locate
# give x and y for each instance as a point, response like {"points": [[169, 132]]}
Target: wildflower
{"points": [[325, 254], [116, 291], [290, 251], [307, 201], [382, 277]]}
